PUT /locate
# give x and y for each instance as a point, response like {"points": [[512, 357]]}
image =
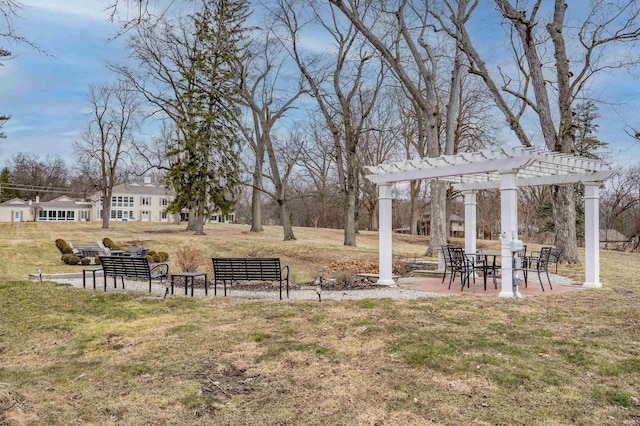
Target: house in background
{"points": [[456, 225], [137, 201], [16, 210], [61, 209], [612, 239], [145, 201], [142, 201]]}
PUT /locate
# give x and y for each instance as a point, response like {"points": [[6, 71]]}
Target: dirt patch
{"points": [[226, 381]]}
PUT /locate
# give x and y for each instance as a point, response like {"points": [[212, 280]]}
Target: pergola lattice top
{"points": [[481, 170]]}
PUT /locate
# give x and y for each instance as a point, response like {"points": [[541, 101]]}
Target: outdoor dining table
{"points": [[485, 261]]}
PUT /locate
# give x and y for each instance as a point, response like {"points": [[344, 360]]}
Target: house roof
{"points": [[61, 202], [140, 188], [14, 202], [64, 202], [612, 235]]}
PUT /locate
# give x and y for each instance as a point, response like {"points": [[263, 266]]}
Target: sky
{"points": [[46, 94]]}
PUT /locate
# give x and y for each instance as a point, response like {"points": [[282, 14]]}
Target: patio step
{"points": [[426, 273]]}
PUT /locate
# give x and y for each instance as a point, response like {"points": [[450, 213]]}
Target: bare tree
{"points": [[262, 74], [379, 145], [340, 88], [46, 177], [102, 150], [398, 31], [608, 24], [317, 183]]}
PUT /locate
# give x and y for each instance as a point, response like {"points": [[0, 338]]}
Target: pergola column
{"points": [[385, 235], [470, 233], [592, 234], [509, 225]]}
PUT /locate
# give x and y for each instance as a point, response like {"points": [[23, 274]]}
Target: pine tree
{"points": [[586, 143], [204, 170], [6, 194]]}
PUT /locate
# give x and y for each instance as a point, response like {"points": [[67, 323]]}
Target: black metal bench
{"points": [[131, 267], [248, 269]]}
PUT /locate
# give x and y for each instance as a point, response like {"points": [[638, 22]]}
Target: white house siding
{"points": [[15, 210], [61, 209], [136, 202]]}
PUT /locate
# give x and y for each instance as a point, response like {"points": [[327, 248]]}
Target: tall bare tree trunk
{"points": [[285, 218], [256, 195], [106, 208]]}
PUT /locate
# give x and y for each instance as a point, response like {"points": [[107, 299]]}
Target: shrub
{"points": [[345, 278], [115, 247], [70, 259], [63, 246], [152, 252], [157, 258], [164, 255], [96, 260], [149, 258], [188, 258], [85, 261], [108, 243]]}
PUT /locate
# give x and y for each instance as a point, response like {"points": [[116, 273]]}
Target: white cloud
{"points": [[93, 9]]}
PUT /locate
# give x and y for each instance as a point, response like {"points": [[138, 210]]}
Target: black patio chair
{"points": [[463, 264], [538, 262], [554, 257], [447, 261]]}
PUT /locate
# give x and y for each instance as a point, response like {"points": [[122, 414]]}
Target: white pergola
{"points": [[505, 169]]}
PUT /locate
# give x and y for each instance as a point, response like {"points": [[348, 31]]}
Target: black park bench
{"points": [[249, 269], [131, 267]]}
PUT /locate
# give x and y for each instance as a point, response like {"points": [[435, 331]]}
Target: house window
{"points": [[42, 215], [145, 201], [16, 216], [164, 202], [52, 215], [84, 214], [121, 201], [71, 215], [113, 214], [164, 216], [119, 214]]}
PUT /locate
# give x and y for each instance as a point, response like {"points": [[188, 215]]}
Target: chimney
{"points": [[37, 199], [147, 179]]}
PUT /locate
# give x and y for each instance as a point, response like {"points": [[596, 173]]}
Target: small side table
{"points": [[84, 276], [192, 275]]}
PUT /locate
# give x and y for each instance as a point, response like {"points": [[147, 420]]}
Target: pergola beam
{"points": [[541, 180]]}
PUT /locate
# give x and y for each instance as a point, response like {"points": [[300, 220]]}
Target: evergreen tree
{"points": [[204, 162], [6, 194], [586, 143]]}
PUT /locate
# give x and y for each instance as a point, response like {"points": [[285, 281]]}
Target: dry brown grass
{"points": [[75, 356]]}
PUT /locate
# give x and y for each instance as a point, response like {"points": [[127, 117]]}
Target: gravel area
{"points": [[158, 290]]}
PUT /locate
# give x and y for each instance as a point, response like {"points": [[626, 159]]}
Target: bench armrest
{"points": [[282, 272], [160, 269]]}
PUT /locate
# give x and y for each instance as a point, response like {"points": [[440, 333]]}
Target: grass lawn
{"points": [[72, 356]]}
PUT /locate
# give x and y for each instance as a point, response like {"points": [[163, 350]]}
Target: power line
{"points": [[35, 188]]}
